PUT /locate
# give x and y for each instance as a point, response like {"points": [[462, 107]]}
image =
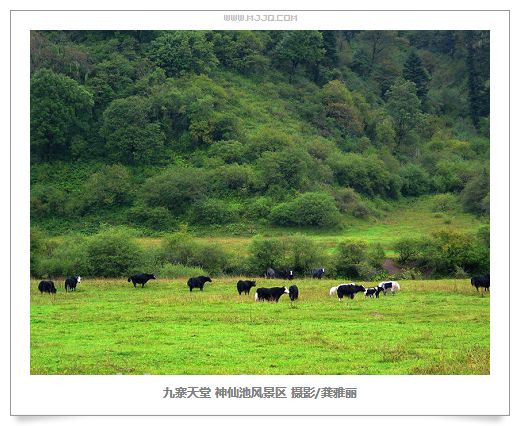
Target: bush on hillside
{"points": [[181, 248], [157, 218], [266, 253], [475, 195], [444, 203], [111, 253], [176, 188], [349, 201], [444, 254], [215, 212], [351, 259], [110, 186], [415, 180], [309, 209]]}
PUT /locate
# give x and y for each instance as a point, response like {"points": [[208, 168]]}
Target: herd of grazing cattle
{"points": [[270, 294]]}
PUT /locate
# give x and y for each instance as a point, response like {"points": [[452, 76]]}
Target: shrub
{"points": [[229, 151], [351, 259], [303, 253], [297, 252], [367, 174], [444, 203], [259, 208], [445, 254], [210, 127], [109, 186], [408, 250], [111, 253], [176, 189], [181, 248], [349, 201], [183, 52], [266, 253], [415, 180], [62, 259], [451, 175], [47, 200], [288, 168], [232, 178], [214, 211], [376, 256], [309, 209], [158, 218], [475, 195], [37, 250]]}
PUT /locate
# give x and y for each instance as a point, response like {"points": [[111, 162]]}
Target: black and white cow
{"points": [[318, 273], [72, 282], [349, 290], [198, 282], [285, 274], [392, 286], [293, 293], [371, 291], [141, 279], [245, 286], [481, 281], [272, 294], [47, 287]]}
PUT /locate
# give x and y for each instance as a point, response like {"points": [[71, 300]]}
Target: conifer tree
{"points": [[414, 71]]}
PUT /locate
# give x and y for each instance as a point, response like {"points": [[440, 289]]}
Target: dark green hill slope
{"points": [[301, 129]]}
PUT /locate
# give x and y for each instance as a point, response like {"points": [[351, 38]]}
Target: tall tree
{"points": [[404, 107], [331, 52], [130, 135], [477, 66], [300, 47], [183, 52], [60, 110], [379, 44], [414, 70]]}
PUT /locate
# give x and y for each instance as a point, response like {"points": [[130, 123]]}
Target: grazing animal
{"points": [[481, 281], [47, 287], [318, 273], [141, 279], [270, 274], [392, 286], [198, 282], [245, 286], [349, 290], [293, 293], [371, 291], [333, 291], [285, 274], [272, 294], [72, 282]]}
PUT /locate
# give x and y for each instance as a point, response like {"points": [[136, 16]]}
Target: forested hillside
{"points": [[242, 131]]}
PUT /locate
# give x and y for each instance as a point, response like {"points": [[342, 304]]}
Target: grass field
{"points": [[108, 327]]}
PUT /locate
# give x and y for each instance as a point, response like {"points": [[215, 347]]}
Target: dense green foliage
{"points": [[240, 130], [119, 252]]}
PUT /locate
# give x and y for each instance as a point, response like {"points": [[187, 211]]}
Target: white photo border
{"points": [[111, 395]]}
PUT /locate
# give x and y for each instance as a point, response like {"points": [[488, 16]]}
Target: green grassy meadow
{"points": [[108, 327]]}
